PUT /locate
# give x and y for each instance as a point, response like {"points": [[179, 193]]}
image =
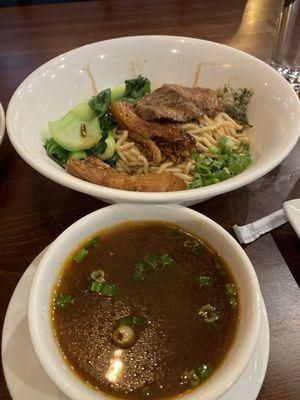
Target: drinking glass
{"points": [[286, 50]]}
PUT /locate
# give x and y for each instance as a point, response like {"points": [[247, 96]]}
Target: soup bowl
{"points": [[54, 88], [39, 316]]}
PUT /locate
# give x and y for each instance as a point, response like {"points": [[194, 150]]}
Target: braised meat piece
{"points": [[178, 103], [169, 137], [96, 171]]}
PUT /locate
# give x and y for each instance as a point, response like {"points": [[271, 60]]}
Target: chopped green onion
{"points": [[229, 160], [193, 246], [213, 149], [232, 302], [151, 265], [80, 255], [63, 301], [203, 371], [151, 259], [231, 294], [98, 275], [204, 281], [132, 321], [230, 289], [96, 287], [106, 289], [93, 242], [195, 184], [146, 393], [124, 336], [192, 378], [173, 234], [195, 376], [209, 313], [166, 260], [217, 264], [109, 289]]}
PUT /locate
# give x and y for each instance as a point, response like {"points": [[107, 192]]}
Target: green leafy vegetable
{"points": [[131, 321], [56, 152], [98, 149], [112, 160], [204, 281], [77, 155], [80, 255], [151, 265], [100, 103], [136, 89], [74, 134], [107, 123], [63, 301], [235, 102]]}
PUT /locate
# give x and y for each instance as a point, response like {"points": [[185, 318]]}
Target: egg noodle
{"points": [[133, 160]]}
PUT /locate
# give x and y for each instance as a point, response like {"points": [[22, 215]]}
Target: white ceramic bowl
{"points": [[2, 123], [50, 91], [241, 267]]}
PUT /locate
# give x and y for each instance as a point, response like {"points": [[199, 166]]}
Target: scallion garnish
{"points": [[63, 301], [204, 281], [192, 378], [146, 393], [232, 302], [209, 313], [231, 294], [173, 234], [96, 287], [95, 242], [80, 255], [195, 376], [203, 371], [151, 265], [98, 275], [193, 246], [104, 288], [217, 264], [109, 289], [230, 289], [132, 321]]}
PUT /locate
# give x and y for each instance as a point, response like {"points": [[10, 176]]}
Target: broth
{"points": [[144, 310]]}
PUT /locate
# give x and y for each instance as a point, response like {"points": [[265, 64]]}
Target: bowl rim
{"points": [[41, 349], [2, 123], [156, 197]]}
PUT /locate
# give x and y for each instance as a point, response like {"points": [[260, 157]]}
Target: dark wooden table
{"points": [[35, 210]]}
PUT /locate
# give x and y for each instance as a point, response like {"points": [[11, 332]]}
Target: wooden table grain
{"points": [[34, 210]]}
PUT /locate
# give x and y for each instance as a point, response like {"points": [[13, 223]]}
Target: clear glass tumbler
{"points": [[286, 50]]}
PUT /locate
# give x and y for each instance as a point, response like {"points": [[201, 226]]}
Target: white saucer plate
{"points": [[292, 210], [2, 123], [26, 379]]}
